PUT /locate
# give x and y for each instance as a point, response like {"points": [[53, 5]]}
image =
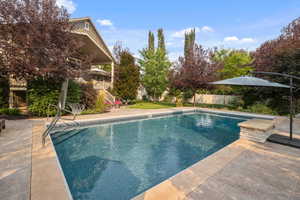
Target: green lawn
{"points": [[151, 105]]}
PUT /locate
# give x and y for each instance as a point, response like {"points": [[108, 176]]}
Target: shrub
{"points": [[10, 111], [261, 108], [88, 95], [74, 92], [4, 92], [100, 102], [145, 98], [237, 103], [42, 93]]}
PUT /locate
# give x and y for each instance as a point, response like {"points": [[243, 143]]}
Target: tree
{"points": [[161, 41], [195, 70], [128, 77], [281, 55], [151, 46], [155, 66], [234, 62], [189, 41], [36, 40]]}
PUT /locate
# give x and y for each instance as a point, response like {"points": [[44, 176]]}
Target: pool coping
{"points": [[166, 184]]}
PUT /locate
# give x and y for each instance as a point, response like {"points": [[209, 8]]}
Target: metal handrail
{"points": [[112, 98]]}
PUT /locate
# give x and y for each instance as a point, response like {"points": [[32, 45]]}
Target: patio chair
{"points": [[76, 109]]}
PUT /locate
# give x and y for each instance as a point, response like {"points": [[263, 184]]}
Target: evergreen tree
{"points": [[189, 41], [128, 80], [161, 40], [151, 46], [155, 66]]}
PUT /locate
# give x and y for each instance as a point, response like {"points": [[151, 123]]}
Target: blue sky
{"points": [[222, 23]]}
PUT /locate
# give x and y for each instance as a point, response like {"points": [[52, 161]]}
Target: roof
{"points": [[91, 22], [249, 81]]}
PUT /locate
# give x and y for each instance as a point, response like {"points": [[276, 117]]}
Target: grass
{"points": [[151, 105], [160, 105]]}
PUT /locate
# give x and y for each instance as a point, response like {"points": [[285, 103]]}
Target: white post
{"points": [[112, 73]]}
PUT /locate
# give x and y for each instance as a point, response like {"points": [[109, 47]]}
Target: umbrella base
{"points": [[284, 140]]}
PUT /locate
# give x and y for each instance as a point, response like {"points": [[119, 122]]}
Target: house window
{"points": [[86, 26]]}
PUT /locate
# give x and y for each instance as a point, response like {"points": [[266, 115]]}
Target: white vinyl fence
{"points": [[214, 99]]}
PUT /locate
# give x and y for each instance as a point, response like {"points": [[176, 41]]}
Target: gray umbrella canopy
{"points": [[249, 81]]}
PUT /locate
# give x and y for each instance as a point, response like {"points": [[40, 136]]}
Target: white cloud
{"points": [[105, 22], [180, 34], [234, 39], [207, 29], [68, 4], [247, 40]]}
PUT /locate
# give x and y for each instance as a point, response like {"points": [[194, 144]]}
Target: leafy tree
{"points": [[128, 77], [234, 62], [36, 40], [155, 66], [282, 53], [195, 70]]}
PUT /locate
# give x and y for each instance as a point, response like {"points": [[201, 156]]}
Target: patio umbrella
{"points": [[249, 81], [258, 82]]}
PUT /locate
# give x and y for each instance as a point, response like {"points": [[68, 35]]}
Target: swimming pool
{"points": [[123, 159]]}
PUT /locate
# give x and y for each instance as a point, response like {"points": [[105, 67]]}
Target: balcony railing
{"points": [[101, 85], [17, 83]]}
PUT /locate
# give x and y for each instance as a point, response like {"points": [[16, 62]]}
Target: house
{"points": [[101, 73]]}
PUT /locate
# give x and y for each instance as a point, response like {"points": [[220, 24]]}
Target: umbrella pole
{"points": [[291, 108]]}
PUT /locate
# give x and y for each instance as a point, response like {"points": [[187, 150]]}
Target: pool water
{"points": [[121, 160]]}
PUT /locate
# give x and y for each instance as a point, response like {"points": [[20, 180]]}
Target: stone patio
{"points": [[242, 170]]}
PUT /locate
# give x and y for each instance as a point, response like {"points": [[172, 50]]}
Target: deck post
{"points": [[112, 73]]}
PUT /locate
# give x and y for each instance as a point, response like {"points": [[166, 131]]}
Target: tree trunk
{"points": [[194, 99]]}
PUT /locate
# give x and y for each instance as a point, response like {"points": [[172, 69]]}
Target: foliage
{"points": [[127, 78], [194, 71], [161, 40], [42, 93], [151, 41], [117, 51], [155, 67], [234, 62], [100, 105], [36, 40], [10, 111], [261, 108], [280, 55], [189, 41], [4, 92], [90, 111], [88, 95], [74, 92]]}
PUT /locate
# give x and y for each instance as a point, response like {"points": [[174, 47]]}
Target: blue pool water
{"points": [[121, 160]]}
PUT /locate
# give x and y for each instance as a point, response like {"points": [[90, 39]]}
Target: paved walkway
{"points": [[15, 160], [260, 172]]}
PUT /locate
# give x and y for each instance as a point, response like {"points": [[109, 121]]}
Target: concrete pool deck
{"points": [[242, 170]]}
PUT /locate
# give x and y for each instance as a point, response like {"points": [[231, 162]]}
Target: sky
{"points": [[218, 23]]}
